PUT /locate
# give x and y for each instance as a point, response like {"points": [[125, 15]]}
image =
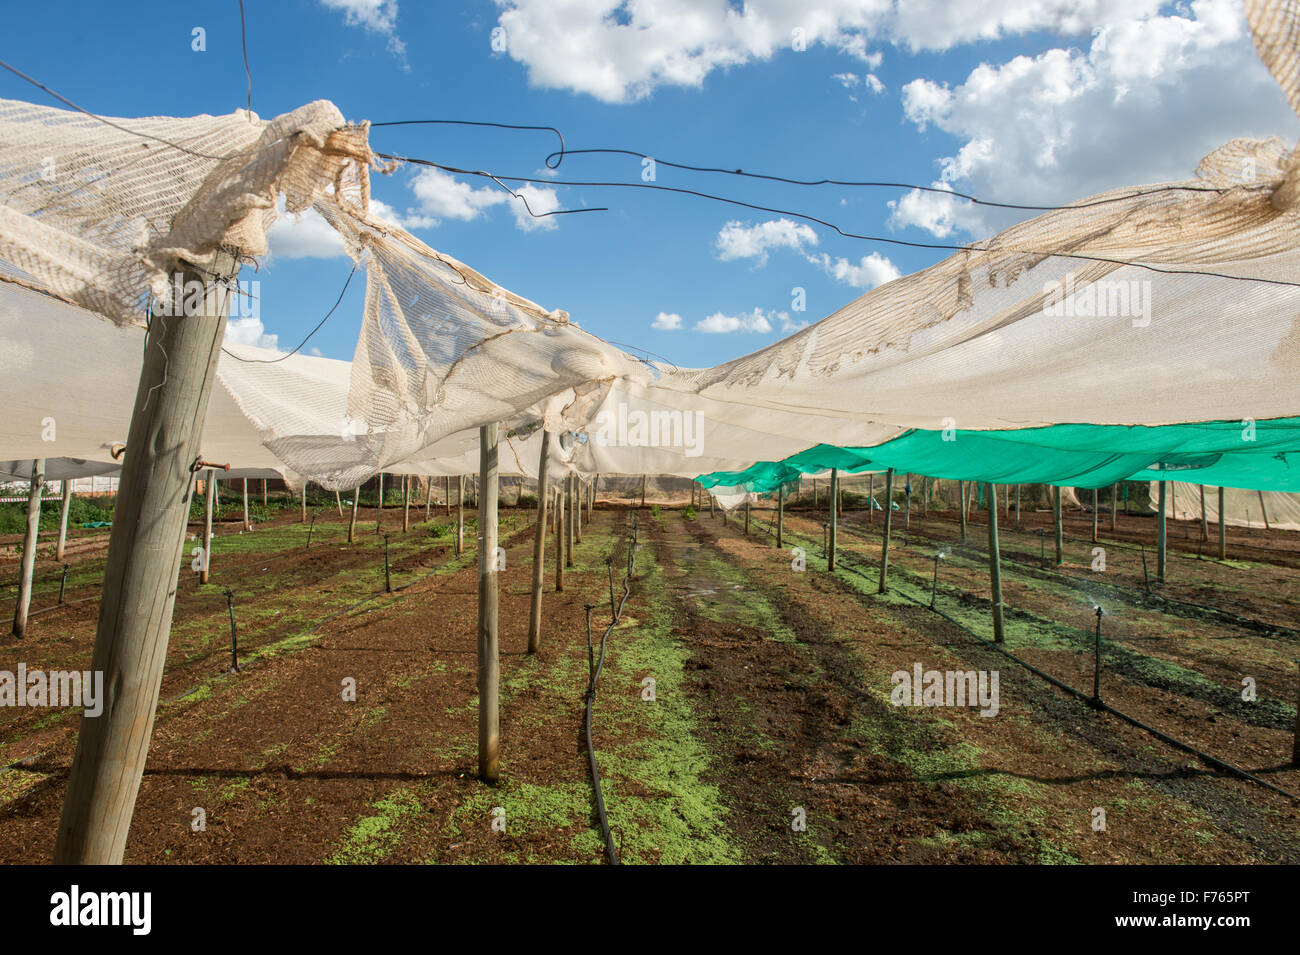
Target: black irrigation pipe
{"points": [[592, 682], [1091, 701]]}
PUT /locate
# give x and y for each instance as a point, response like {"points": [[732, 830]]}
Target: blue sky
{"points": [[1035, 101]]}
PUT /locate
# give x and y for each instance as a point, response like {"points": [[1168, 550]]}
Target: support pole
{"points": [[1263, 510], [643, 490], [446, 495], [961, 503], [830, 548], [64, 506], [1223, 529], [1094, 515], [303, 518], [489, 663], [568, 520], [1017, 507], [338, 502], [1060, 530], [379, 515], [264, 500], [889, 523], [428, 497], [460, 514], [406, 503], [247, 525], [539, 548], [207, 527], [559, 539], [1161, 534], [1205, 518], [747, 518], [780, 516], [871, 498], [352, 524], [579, 492], [995, 568], [711, 514], [28, 566], [144, 553], [1114, 507]]}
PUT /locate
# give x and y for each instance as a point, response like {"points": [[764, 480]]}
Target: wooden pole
{"points": [[579, 492], [64, 507], [144, 554], [995, 567], [1263, 510], [406, 503], [871, 498], [379, 515], [1205, 518], [338, 502], [539, 548], [961, 495], [747, 518], [1094, 515], [559, 539], [1161, 535], [889, 522], [711, 514], [28, 567], [1114, 507], [830, 551], [1223, 529], [489, 663], [446, 495], [780, 516], [1060, 530], [264, 501], [1017, 506], [303, 518], [460, 513], [428, 497], [207, 526], [643, 490], [568, 520], [247, 524], [352, 524]]}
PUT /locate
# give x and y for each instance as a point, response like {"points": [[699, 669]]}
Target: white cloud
{"points": [[870, 271], [737, 240], [376, 16], [847, 80], [442, 196], [623, 52], [718, 323], [667, 322], [1143, 103], [305, 236], [250, 331]]}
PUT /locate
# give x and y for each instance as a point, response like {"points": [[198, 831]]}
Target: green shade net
{"points": [[1251, 455]]}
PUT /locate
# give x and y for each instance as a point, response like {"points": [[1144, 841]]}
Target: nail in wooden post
{"points": [[64, 506], [995, 568], [539, 548], [489, 663], [144, 554], [28, 567]]}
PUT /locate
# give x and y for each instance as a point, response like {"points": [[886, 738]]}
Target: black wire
{"points": [[877, 184], [943, 246], [243, 42], [471, 122], [272, 361]]}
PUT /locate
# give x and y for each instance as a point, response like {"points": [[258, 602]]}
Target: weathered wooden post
{"points": [[264, 499], [1060, 531], [711, 514], [747, 518], [1161, 535], [1205, 518], [1094, 515], [27, 568], [1114, 507], [302, 519], [379, 515], [995, 567], [489, 663], [248, 526], [352, 524], [1263, 510], [961, 494], [643, 490], [207, 526], [579, 492], [338, 502], [1223, 529], [871, 498], [889, 523], [460, 513], [446, 495], [428, 496], [539, 548], [144, 554], [780, 516], [65, 505], [559, 539], [830, 550], [568, 519], [406, 503]]}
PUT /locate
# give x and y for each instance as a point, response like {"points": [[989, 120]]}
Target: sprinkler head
{"points": [[1099, 611]]}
